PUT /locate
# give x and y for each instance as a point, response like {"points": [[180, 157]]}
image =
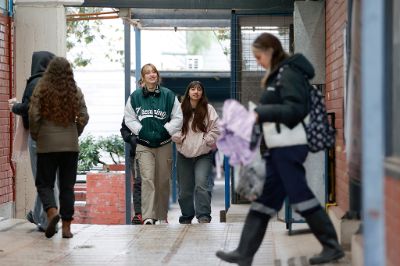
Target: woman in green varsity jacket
{"points": [[153, 114]]}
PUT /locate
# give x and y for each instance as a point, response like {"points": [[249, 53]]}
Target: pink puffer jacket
{"points": [[198, 143]]}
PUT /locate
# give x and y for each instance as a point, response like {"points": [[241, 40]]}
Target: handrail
{"points": [[227, 171]]}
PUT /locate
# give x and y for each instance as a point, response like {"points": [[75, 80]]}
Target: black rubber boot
{"points": [[323, 229], [252, 235]]}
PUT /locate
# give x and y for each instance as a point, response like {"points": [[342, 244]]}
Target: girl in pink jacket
{"points": [[194, 143]]}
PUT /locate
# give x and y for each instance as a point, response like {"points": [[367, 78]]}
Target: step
{"points": [[80, 187], [80, 191], [80, 195]]}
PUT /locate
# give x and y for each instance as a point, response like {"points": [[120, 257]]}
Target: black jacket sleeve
{"points": [[294, 94], [125, 132], [22, 108], [128, 137]]}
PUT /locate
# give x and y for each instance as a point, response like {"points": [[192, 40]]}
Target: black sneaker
{"points": [[183, 220], [41, 229], [29, 217], [204, 220], [137, 219]]}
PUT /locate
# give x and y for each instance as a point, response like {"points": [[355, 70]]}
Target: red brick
{"points": [[105, 199], [336, 16], [392, 218]]}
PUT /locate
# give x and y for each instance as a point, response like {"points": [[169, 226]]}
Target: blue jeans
{"points": [[193, 185], [39, 215]]}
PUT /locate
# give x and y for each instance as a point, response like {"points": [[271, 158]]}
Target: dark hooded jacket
{"points": [[288, 100], [128, 137], [40, 61]]}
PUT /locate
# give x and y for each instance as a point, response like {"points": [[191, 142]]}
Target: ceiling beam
{"points": [[185, 23], [276, 5], [151, 13]]}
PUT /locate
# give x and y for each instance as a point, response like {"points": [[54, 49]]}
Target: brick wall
{"points": [[104, 200], [6, 181], [392, 216], [336, 17]]}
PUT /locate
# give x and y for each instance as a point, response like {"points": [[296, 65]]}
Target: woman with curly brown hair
{"points": [[57, 117]]}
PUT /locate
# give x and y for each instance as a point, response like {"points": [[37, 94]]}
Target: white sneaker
{"points": [[162, 222], [148, 221]]}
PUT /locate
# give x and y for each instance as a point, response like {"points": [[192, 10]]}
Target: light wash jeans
{"points": [[193, 185], [39, 215]]}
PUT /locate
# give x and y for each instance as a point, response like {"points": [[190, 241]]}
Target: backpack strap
{"points": [[278, 85], [278, 90]]}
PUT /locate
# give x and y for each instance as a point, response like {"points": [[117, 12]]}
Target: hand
{"points": [[177, 138], [214, 147], [11, 103], [256, 116]]}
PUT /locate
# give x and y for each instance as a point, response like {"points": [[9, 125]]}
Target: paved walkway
{"points": [[172, 244]]}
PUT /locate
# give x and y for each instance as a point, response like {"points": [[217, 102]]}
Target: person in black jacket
{"points": [[129, 138], [284, 106], [40, 61]]}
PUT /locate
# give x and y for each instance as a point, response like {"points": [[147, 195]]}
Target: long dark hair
{"points": [[57, 93], [200, 112], [266, 41]]}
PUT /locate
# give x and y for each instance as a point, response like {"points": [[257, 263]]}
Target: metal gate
{"points": [[246, 75]]}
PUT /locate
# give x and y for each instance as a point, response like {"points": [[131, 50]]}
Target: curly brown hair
{"points": [[57, 93], [200, 113]]}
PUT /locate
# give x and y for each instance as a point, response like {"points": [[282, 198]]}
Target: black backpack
{"points": [[320, 133]]}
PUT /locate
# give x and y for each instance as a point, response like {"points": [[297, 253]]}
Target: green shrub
{"points": [[114, 146], [90, 148], [89, 154]]}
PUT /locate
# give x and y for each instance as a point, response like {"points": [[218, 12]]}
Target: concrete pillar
{"points": [[309, 39], [309, 34], [39, 25]]}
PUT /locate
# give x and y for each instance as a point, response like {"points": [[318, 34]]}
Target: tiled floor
{"points": [[172, 244]]}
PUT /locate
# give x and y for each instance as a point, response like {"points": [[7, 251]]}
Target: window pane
{"points": [[3, 4]]}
